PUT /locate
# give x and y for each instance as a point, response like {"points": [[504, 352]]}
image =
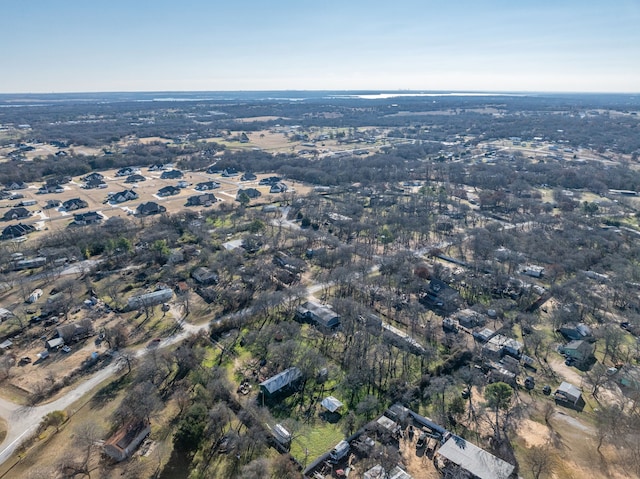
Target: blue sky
{"points": [[489, 45]]}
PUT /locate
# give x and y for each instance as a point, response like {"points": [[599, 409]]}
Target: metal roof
{"points": [[281, 380], [477, 461], [331, 404]]}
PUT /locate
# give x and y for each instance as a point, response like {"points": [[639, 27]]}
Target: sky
{"points": [[56, 46]]}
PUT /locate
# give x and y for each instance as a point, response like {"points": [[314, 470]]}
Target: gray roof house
{"points": [[320, 314], [205, 276], [150, 299], [281, 382]]}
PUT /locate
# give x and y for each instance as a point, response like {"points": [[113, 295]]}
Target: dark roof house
{"points": [[248, 176], [135, 179], [206, 199], [17, 214], [88, 218], [168, 191], [127, 171], [150, 208], [440, 296], [171, 175], [250, 192], [16, 231], [74, 204], [207, 185]]}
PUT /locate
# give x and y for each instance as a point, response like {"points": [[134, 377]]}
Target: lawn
{"points": [[315, 439]]}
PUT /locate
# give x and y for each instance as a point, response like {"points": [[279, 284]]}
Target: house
{"points": [[459, 453], [483, 336], [52, 204], [150, 299], [229, 172], [533, 271], [247, 176], [88, 218], [319, 314], [75, 331], [207, 185], [127, 171], [135, 179], [278, 188], [93, 177], [156, 167], [244, 138], [150, 208], [168, 191], [579, 350], [440, 296], [469, 319], [50, 188], [74, 204], [123, 196], [574, 332], [171, 175], [500, 345], [283, 260], [271, 180], [17, 214], [17, 185], [125, 440], [205, 276], [281, 383], [569, 395], [91, 184], [17, 231], [29, 263], [252, 193], [206, 199]]}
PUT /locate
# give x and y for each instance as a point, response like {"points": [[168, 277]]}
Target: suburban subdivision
{"points": [[339, 285]]}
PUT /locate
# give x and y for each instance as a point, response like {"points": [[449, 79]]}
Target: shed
{"points": [[569, 395], [6, 344], [55, 343], [476, 461], [331, 404]]}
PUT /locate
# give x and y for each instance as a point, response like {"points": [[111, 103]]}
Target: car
{"points": [[422, 440], [546, 390], [24, 360], [65, 349], [154, 343], [466, 393], [570, 361]]}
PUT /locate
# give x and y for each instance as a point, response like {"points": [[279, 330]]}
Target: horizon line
{"points": [[364, 90]]}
